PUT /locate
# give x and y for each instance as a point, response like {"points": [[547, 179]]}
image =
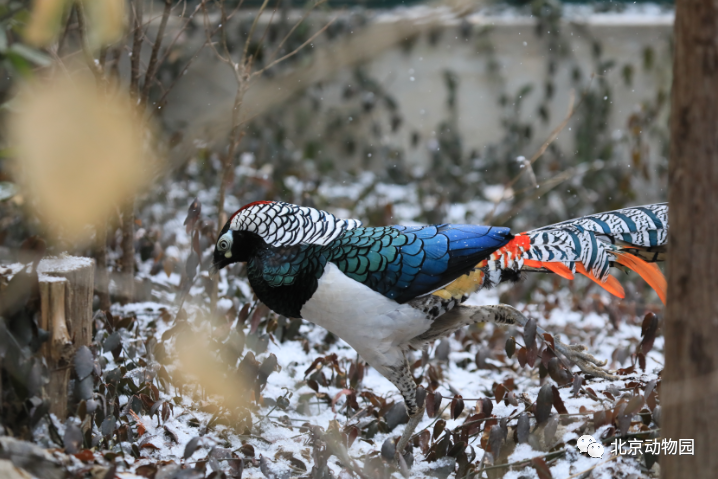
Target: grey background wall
{"points": [[507, 66]]}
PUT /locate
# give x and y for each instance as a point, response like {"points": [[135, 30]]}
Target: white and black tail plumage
{"points": [[633, 238]]}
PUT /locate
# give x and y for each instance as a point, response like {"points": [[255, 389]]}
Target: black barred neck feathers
{"points": [[285, 224]]}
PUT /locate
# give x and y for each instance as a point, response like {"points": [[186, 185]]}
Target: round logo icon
{"points": [[595, 449], [584, 441]]}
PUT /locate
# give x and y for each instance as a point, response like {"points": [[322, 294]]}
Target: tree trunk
{"points": [[690, 381]]}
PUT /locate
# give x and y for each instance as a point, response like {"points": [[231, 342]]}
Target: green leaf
{"points": [[35, 56], [17, 64]]}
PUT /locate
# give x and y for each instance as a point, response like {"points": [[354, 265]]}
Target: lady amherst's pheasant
{"points": [[387, 289]]}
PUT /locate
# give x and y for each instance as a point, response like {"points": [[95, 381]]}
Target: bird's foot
{"points": [[576, 353], [405, 438]]}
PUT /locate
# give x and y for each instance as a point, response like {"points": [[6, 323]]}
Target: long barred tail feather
{"points": [[633, 238], [650, 272]]}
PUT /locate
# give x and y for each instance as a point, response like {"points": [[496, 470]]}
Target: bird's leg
{"points": [[505, 314], [404, 381]]}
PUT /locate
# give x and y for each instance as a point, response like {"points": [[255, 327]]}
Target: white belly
{"points": [[376, 326]]}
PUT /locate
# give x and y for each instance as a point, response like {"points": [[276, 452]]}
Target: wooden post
{"points": [[58, 350], [66, 290]]}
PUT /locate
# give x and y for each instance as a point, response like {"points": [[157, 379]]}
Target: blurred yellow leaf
{"points": [[45, 22], [197, 360], [80, 153], [105, 21]]}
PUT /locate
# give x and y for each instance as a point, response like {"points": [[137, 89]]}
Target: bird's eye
{"points": [[223, 245]]}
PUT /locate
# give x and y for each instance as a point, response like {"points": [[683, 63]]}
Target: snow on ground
{"points": [[282, 441], [284, 445], [277, 439], [496, 14]]}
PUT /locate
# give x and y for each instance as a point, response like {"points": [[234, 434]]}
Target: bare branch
{"points": [[136, 47], [163, 98], [223, 29], [558, 129], [236, 9], [251, 30], [552, 136], [269, 24], [544, 188], [153, 65], [294, 52], [181, 30], [209, 34], [289, 34]]}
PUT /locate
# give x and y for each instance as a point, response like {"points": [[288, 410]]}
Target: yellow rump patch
{"points": [[466, 284]]}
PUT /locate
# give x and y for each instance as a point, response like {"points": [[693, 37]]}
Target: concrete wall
{"points": [[408, 51], [416, 79]]}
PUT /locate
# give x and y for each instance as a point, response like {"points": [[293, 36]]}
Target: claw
{"points": [[585, 361], [403, 468], [574, 352]]}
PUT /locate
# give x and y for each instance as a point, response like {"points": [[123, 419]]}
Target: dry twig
{"points": [[296, 50], [527, 165], [153, 65]]}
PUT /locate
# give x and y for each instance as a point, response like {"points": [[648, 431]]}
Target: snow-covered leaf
{"points": [[7, 189], [112, 342], [84, 362], [108, 425], [72, 438], [544, 403]]}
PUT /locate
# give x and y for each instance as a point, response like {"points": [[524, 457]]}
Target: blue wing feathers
{"points": [[435, 268], [403, 262], [413, 248]]}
